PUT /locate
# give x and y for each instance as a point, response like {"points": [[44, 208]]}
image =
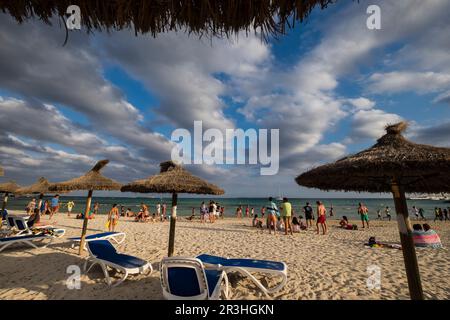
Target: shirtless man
{"points": [[364, 213], [321, 217]]}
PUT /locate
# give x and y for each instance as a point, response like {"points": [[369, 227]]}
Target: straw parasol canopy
{"points": [[420, 168], [395, 165], [210, 17], [92, 180], [39, 187], [172, 179], [9, 187], [2, 173]]}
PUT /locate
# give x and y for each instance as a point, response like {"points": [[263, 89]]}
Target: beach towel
{"points": [[425, 239]]}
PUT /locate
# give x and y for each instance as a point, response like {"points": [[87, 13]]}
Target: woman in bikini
{"points": [[113, 217]]}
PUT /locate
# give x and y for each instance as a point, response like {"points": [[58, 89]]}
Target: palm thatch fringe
{"points": [[202, 17], [40, 187], [172, 179], [418, 167], [92, 180], [9, 187]]}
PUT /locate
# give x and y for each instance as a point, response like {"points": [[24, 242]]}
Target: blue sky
{"points": [[330, 85]]}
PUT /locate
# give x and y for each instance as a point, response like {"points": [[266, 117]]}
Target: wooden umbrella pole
{"points": [[173, 220], [85, 221], [409, 252]]}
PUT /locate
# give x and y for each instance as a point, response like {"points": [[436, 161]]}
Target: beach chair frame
{"points": [[117, 237], [104, 264], [197, 265], [247, 272], [22, 226], [28, 240]]}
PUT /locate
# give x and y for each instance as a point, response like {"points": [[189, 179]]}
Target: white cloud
{"points": [[370, 124], [396, 81], [361, 103]]}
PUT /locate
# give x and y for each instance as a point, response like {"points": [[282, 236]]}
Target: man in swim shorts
{"points": [[364, 213], [309, 216], [321, 217], [55, 206]]}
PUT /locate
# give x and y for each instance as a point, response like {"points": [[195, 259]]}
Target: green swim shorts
{"points": [[364, 217]]}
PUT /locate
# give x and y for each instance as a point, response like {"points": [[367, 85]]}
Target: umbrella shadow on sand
{"points": [[39, 275]]}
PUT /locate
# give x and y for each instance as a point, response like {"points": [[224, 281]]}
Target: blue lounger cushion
{"points": [[104, 250], [183, 282], [242, 263]]}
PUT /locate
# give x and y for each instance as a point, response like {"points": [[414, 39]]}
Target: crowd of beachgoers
{"points": [[281, 218]]}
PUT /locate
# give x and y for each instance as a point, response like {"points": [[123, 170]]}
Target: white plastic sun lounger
{"points": [[103, 253], [247, 267], [187, 279], [21, 225], [26, 239], [117, 237]]}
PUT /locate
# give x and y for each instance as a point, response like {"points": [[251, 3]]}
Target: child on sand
{"points": [[192, 217], [295, 225]]}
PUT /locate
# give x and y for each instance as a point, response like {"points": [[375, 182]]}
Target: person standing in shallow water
{"points": [[421, 213], [321, 217], [387, 212], [239, 212]]}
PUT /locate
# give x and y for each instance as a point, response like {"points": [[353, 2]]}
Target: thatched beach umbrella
{"points": [[40, 187], [395, 165], [172, 179], [7, 188], [2, 173], [202, 17], [92, 180]]}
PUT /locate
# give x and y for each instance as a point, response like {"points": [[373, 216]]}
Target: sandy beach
{"points": [[333, 266]]}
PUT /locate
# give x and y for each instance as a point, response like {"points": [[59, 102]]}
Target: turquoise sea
{"points": [[341, 207]]}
